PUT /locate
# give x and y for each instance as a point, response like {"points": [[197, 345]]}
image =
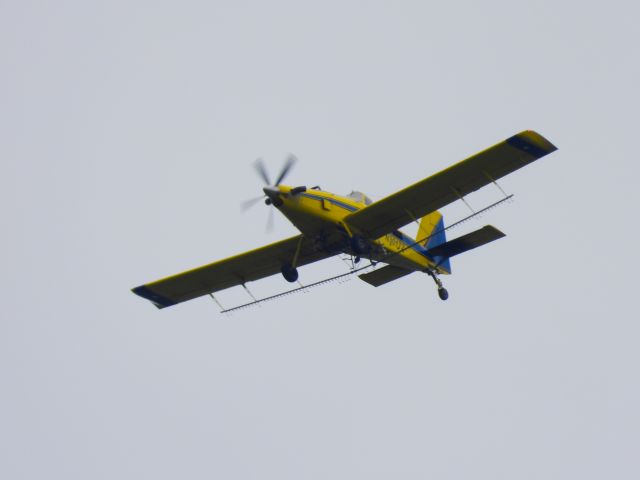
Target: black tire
{"points": [[289, 273], [442, 293]]}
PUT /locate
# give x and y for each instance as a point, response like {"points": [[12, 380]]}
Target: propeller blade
{"points": [[246, 205], [258, 165], [269, 227], [288, 164]]}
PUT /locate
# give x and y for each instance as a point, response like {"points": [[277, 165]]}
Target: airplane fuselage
{"points": [[321, 215]]}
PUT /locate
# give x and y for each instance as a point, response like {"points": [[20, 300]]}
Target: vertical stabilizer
{"points": [[431, 234], [428, 230]]}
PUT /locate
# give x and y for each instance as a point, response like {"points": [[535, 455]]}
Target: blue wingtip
{"points": [[158, 300]]}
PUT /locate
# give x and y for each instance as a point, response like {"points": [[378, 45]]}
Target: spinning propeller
{"points": [[271, 191]]}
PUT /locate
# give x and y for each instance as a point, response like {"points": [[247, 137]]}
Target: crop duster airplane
{"points": [[333, 224]]}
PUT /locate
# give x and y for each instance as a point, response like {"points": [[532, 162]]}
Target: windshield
{"points": [[360, 197]]}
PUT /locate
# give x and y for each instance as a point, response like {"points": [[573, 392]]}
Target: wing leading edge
{"points": [[246, 267], [449, 185]]}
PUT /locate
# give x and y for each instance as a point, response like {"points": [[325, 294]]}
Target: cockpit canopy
{"points": [[360, 197]]}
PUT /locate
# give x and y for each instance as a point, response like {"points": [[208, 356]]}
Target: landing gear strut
{"points": [[442, 292], [359, 246]]}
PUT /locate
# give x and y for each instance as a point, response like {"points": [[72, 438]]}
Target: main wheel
{"points": [[442, 293], [289, 273]]}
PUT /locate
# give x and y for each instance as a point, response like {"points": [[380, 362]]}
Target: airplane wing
{"points": [[253, 265], [449, 185]]}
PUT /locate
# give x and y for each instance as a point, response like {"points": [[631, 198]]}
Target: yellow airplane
{"points": [[332, 224]]}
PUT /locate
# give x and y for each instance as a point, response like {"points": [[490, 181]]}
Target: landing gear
{"points": [[442, 292], [359, 246], [289, 273]]}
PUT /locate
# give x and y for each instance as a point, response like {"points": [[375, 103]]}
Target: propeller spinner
{"points": [[271, 191]]}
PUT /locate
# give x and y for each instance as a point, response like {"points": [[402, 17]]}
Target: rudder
{"points": [[431, 230], [431, 233]]}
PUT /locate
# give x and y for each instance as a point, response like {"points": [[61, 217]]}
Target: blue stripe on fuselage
{"points": [[346, 206]]}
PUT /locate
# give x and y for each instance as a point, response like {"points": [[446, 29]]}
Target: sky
{"points": [[128, 134]]}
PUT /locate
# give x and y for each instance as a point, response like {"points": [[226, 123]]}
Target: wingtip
{"points": [[156, 299], [534, 138], [531, 143], [496, 232]]}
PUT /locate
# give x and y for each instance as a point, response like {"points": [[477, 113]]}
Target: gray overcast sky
{"points": [[128, 132]]}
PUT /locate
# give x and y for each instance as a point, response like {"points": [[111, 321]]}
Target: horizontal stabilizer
{"points": [[466, 242], [384, 275]]}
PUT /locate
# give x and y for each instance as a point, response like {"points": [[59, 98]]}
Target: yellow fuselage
{"points": [[320, 214]]}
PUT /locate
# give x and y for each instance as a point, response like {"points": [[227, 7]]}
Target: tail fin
{"points": [[431, 231], [431, 234]]}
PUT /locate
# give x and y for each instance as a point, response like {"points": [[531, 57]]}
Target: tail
{"points": [[431, 234]]}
